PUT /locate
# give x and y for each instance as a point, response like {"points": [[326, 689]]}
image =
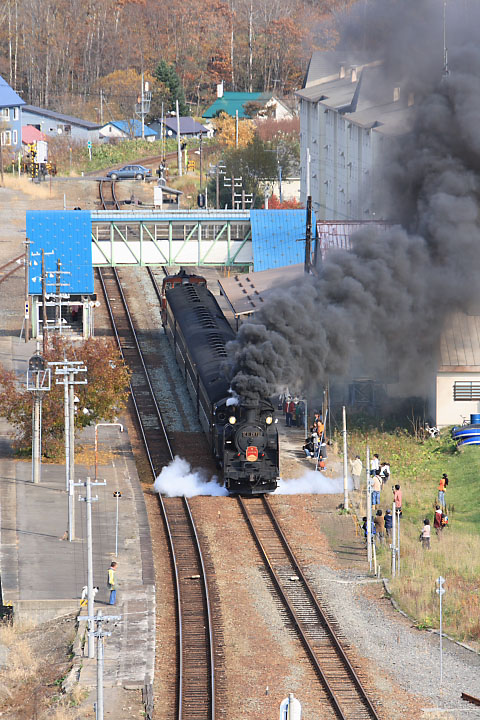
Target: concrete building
{"points": [[57, 124], [10, 117], [347, 113]]}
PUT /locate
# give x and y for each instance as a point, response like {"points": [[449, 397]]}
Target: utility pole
{"points": [[236, 128], [44, 306], [179, 151], [100, 633], [38, 381], [27, 296], [308, 236], [90, 601], [217, 180], [369, 511], [201, 160], [394, 540], [345, 461], [68, 369]]}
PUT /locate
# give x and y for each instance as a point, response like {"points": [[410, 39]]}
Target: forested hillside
{"points": [[86, 56]]}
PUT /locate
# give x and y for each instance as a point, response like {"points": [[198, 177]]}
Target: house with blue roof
{"points": [[10, 117], [248, 105], [126, 130]]}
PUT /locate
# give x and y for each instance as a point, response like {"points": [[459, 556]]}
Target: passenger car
{"points": [[130, 171]]}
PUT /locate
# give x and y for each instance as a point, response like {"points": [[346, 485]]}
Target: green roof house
{"points": [[249, 105]]}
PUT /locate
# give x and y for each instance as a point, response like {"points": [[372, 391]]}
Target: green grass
{"points": [[417, 467]]}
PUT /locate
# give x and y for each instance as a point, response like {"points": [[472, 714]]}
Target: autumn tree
{"points": [[254, 164], [225, 127], [102, 398]]}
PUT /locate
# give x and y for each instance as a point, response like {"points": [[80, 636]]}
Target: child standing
{"points": [[425, 534]]}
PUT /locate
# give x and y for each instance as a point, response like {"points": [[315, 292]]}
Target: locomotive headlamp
{"points": [[232, 420], [269, 419]]}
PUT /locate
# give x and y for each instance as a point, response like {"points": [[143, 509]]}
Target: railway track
{"points": [[107, 195], [195, 697], [338, 677]]}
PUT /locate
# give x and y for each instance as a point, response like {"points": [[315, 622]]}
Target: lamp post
{"points": [[96, 440]]}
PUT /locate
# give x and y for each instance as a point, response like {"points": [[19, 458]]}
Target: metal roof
{"points": [[8, 96], [129, 126], [460, 344], [68, 119], [230, 102], [187, 125], [278, 237], [246, 293], [30, 134], [65, 235]]}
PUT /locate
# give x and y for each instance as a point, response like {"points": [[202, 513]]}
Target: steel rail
{"points": [[352, 676], [470, 698], [10, 262], [105, 203], [174, 528]]}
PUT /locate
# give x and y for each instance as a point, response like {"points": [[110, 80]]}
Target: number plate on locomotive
{"points": [[251, 453]]}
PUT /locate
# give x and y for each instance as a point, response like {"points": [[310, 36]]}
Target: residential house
{"points": [[56, 124], [10, 117], [188, 128], [126, 130], [259, 104]]}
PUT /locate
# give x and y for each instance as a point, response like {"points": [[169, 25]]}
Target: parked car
{"points": [[130, 171]]}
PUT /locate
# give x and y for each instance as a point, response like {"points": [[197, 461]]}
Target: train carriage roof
{"points": [[206, 331]]}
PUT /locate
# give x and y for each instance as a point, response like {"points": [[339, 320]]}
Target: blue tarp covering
{"points": [[278, 237], [65, 235]]}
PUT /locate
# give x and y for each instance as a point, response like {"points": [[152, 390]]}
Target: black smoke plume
{"points": [[386, 300]]}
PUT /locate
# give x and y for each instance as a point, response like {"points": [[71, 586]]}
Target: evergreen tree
{"points": [[167, 75]]}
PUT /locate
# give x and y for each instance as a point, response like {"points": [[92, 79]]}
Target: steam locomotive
{"points": [[243, 439]]}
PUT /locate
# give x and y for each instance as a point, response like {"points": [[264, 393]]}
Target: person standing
{"points": [[437, 520], [289, 412], [376, 487], [112, 582], [379, 521], [425, 534], [441, 490], [374, 465], [357, 468], [388, 523]]}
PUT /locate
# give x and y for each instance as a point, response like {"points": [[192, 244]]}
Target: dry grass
{"points": [[41, 190], [22, 664]]}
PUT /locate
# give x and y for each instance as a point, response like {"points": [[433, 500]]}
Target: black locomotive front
{"points": [[250, 464], [243, 440]]}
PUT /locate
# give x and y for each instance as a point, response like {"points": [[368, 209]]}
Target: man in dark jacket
{"points": [[388, 523]]}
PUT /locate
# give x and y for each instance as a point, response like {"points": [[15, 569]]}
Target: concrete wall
{"points": [[36, 612], [343, 158], [449, 411]]}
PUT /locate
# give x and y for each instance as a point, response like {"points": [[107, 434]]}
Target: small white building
{"points": [[457, 391]]}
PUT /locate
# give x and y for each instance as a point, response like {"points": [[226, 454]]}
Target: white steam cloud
{"points": [[178, 479], [312, 483]]}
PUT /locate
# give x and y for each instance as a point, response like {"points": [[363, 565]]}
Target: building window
{"points": [[466, 390], [5, 114], [15, 137], [7, 137], [15, 113]]}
